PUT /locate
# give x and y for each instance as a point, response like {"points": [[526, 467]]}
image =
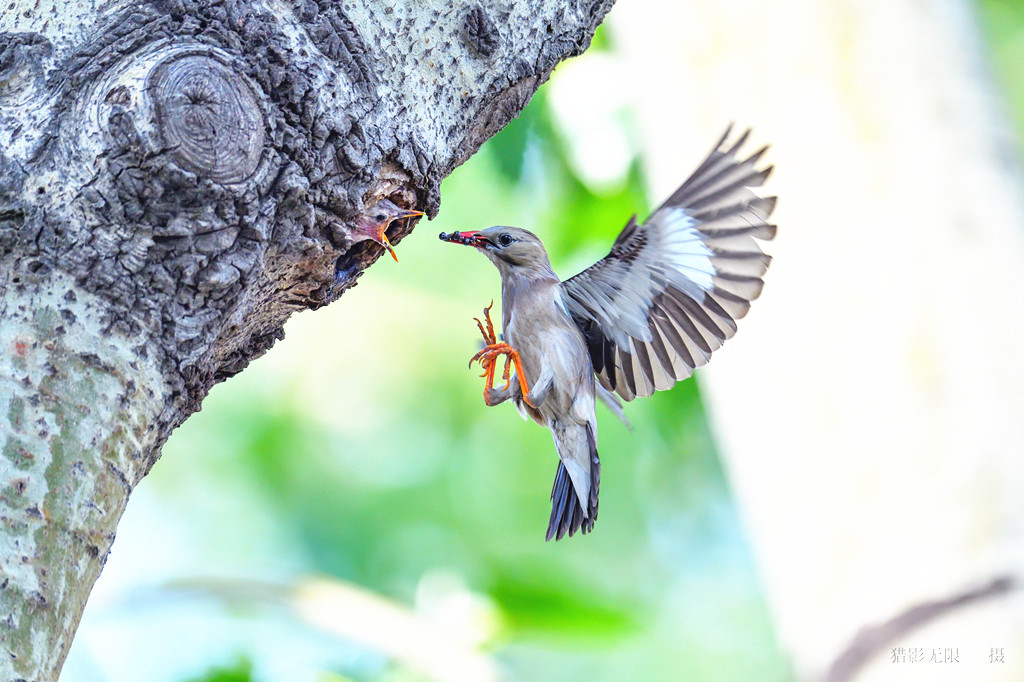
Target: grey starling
{"points": [[639, 320]]}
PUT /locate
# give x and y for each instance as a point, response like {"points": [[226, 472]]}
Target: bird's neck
{"points": [[522, 286], [527, 275]]}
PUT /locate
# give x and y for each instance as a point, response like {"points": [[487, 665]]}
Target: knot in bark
{"points": [[21, 65], [479, 33], [208, 117]]}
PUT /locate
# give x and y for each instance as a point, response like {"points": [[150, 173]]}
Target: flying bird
{"points": [[374, 221], [637, 321]]}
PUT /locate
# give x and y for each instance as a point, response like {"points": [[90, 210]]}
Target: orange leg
{"points": [[489, 355]]}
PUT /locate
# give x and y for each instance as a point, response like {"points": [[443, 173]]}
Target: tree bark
{"points": [[177, 177]]}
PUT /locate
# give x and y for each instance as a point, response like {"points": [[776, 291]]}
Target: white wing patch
{"points": [[684, 248], [669, 292]]}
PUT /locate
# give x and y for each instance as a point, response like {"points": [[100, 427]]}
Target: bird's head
{"points": [[374, 221], [511, 249]]}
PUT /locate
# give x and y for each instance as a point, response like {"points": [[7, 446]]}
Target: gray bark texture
{"points": [[177, 177]]}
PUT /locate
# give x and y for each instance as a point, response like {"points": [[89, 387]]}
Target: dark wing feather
{"points": [[670, 291]]}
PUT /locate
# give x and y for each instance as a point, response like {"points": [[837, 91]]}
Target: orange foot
{"points": [[489, 355]]}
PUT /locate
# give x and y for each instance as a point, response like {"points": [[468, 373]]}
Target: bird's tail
{"points": [[567, 514]]}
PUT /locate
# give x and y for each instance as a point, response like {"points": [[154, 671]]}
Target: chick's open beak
{"points": [[386, 244], [383, 238]]}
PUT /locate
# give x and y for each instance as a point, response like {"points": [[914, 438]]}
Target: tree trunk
{"points": [[177, 177]]}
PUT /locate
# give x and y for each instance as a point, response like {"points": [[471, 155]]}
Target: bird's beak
{"points": [[471, 238], [383, 238]]}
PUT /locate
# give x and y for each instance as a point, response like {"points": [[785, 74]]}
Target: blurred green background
{"points": [[348, 509]]}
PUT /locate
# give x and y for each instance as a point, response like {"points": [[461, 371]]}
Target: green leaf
{"points": [[557, 606], [240, 671]]}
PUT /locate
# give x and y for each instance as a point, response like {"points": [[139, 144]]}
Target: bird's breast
{"points": [[551, 342]]}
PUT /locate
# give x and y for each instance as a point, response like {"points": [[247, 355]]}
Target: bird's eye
{"points": [[379, 217], [505, 239]]}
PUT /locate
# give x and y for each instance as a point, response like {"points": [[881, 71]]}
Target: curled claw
{"points": [[505, 373], [489, 355], [487, 358], [489, 337]]}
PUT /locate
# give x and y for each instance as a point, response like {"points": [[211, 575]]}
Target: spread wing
{"points": [[670, 291]]}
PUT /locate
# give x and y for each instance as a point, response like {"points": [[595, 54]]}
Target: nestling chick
{"points": [[373, 222]]}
